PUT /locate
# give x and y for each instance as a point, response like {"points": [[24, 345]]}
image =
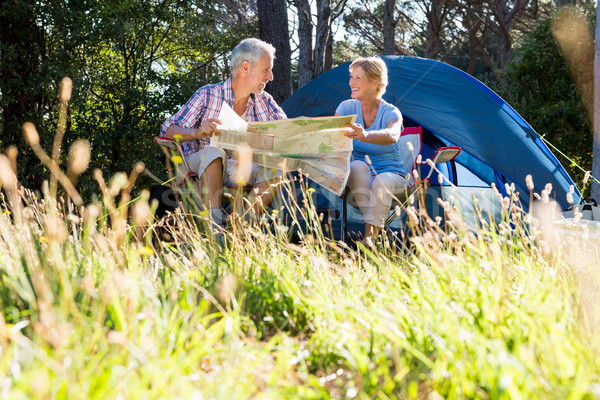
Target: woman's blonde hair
{"points": [[375, 69]]}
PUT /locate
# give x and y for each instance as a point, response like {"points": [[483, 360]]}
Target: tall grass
{"points": [[94, 305]]}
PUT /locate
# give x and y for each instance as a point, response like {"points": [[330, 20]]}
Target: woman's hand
{"points": [[208, 128], [358, 132]]}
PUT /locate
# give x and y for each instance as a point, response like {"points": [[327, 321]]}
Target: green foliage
{"points": [[345, 51], [538, 85], [132, 64], [29, 76]]}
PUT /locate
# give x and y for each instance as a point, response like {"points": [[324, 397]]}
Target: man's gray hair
{"points": [[250, 50]]}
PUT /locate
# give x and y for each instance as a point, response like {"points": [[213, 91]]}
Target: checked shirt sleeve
{"points": [[266, 109], [276, 111], [190, 115]]}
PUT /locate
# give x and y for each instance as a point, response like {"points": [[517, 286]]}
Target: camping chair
{"points": [[417, 185], [184, 175], [173, 149]]}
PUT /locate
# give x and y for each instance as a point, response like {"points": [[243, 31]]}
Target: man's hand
{"points": [[208, 128]]}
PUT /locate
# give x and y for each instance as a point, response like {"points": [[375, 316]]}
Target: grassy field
{"points": [[95, 306]]}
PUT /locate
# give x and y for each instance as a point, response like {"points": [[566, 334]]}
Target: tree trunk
{"points": [[305, 49], [329, 52], [323, 31], [473, 22], [273, 28], [435, 23], [596, 148], [505, 17], [389, 27]]}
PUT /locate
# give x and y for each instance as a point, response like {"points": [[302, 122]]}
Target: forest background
{"points": [[134, 62]]}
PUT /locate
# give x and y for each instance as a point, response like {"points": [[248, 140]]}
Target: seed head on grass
{"points": [[9, 183], [78, 159], [31, 135], [33, 140], [226, 290], [8, 179], [11, 153], [243, 156], [66, 87], [141, 212]]}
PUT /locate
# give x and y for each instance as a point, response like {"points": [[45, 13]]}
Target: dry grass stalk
{"points": [[33, 140]]}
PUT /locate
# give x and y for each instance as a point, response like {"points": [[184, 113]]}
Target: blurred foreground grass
{"points": [[95, 306], [92, 309]]}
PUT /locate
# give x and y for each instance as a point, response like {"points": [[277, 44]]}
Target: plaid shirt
{"points": [[206, 103]]}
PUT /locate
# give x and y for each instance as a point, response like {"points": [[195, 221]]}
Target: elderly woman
{"points": [[376, 170]]}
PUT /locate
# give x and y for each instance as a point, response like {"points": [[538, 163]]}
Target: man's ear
{"points": [[245, 67]]}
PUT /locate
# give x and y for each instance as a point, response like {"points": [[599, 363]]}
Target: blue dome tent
{"points": [[454, 109]]}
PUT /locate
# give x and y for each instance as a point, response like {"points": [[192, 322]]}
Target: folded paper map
{"points": [[316, 146]]}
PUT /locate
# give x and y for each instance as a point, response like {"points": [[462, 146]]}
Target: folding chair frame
{"points": [[184, 174], [418, 187]]}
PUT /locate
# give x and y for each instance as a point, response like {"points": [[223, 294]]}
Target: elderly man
{"points": [[194, 124]]}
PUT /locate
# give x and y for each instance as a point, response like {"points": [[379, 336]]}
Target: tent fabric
{"points": [[459, 110]]}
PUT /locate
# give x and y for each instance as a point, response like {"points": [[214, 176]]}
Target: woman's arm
{"points": [[389, 135]]}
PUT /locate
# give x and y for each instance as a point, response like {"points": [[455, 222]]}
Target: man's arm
{"points": [[267, 108], [182, 125], [277, 112], [208, 128]]}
